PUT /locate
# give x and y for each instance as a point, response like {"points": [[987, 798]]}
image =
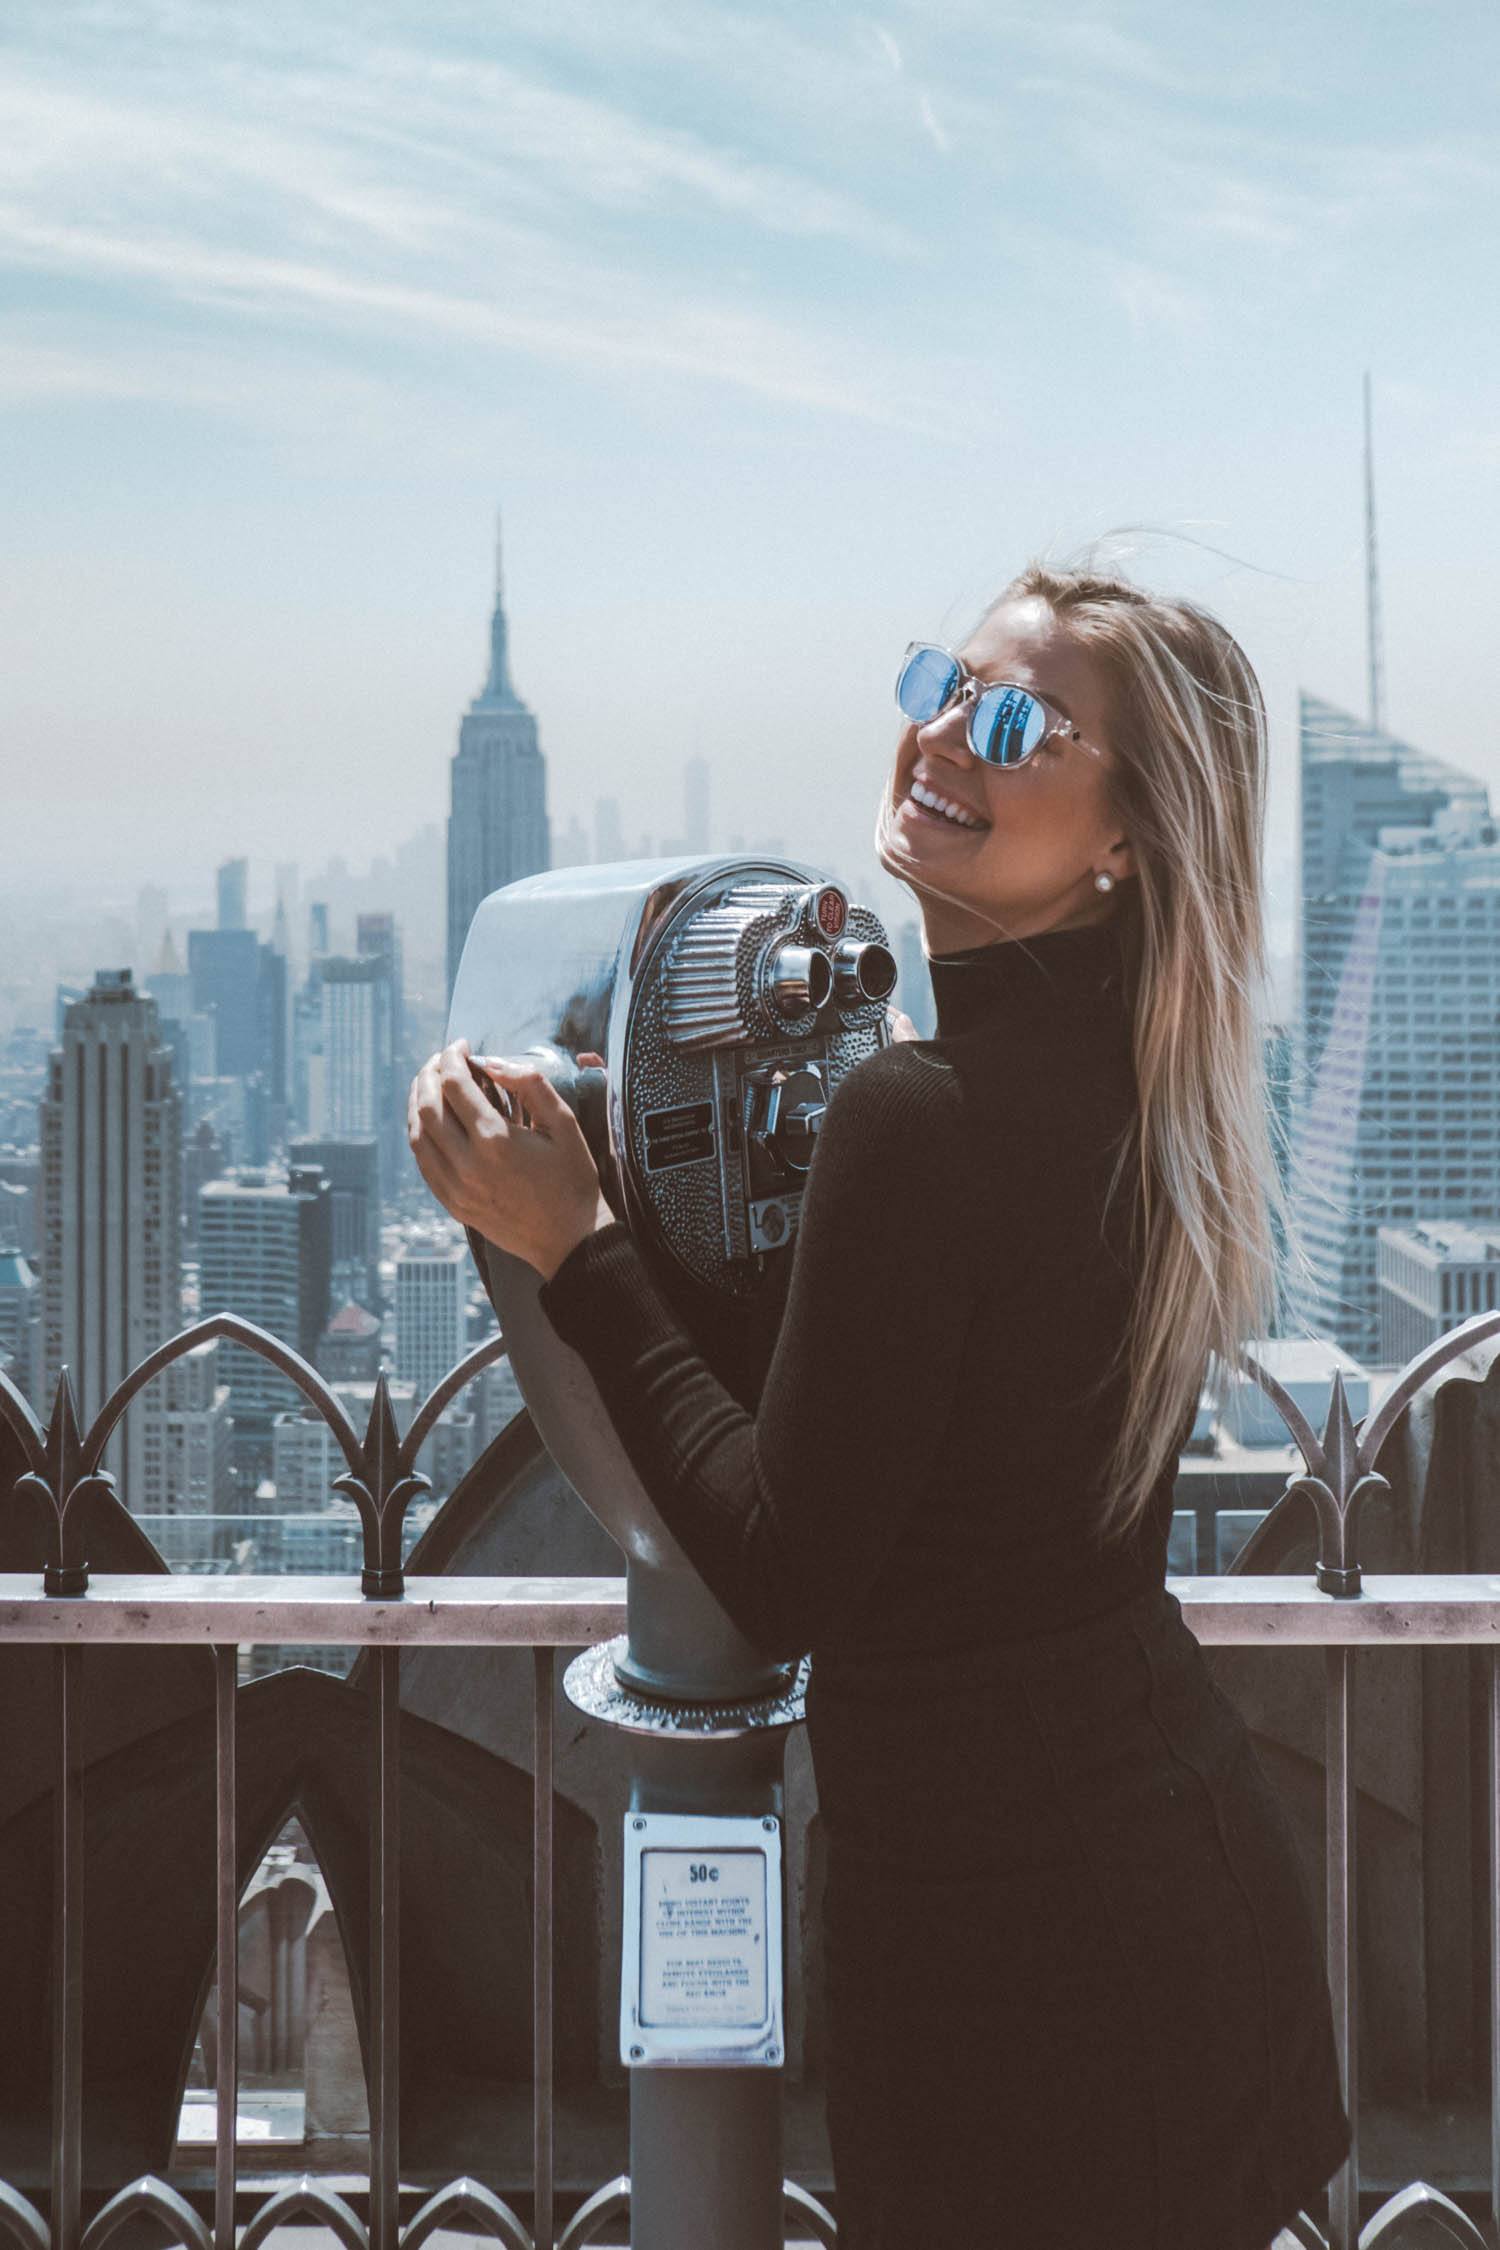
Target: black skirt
{"points": [[1076, 1996]]}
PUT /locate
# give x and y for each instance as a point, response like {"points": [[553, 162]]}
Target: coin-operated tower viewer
{"points": [[728, 998]]}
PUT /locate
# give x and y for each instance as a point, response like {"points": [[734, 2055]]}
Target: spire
{"points": [[168, 961], [497, 692], [1374, 651]]}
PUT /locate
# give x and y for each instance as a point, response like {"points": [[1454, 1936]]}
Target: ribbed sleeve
{"points": [[790, 1513]]}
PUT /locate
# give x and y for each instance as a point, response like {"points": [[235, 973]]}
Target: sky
{"points": [[781, 334]]}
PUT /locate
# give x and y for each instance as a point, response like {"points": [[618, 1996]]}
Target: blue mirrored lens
{"points": [[1008, 724], [928, 678]]}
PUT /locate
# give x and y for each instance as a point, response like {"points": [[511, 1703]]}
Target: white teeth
{"points": [[935, 803]]}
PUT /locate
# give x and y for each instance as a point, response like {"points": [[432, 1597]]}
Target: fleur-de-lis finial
{"points": [[382, 1488], [1340, 1475], [64, 1477]]}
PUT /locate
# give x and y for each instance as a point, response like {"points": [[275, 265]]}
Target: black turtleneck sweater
{"points": [[923, 1466]]}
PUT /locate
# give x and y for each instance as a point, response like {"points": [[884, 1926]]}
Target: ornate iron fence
{"points": [[1338, 1608]]}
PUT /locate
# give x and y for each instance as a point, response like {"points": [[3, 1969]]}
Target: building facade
{"points": [[432, 1288], [224, 976], [358, 1054], [1433, 1276], [352, 1164], [195, 1404], [232, 885], [110, 1204], [304, 1462], [1397, 1099], [265, 1251]]}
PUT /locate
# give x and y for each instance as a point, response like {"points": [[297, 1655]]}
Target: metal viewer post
{"points": [[728, 997]]}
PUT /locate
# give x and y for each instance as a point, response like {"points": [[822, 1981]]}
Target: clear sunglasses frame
{"points": [[1058, 722]]}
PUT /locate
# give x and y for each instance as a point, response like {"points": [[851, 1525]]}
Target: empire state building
{"points": [[497, 824]]}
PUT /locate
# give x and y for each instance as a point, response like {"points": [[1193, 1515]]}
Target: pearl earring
{"points": [[1104, 881]]}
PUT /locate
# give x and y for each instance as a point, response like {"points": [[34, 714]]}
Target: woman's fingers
{"points": [[426, 1108], [543, 1105], [433, 1157], [436, 1136], [439, 1174], [462, 1093]]}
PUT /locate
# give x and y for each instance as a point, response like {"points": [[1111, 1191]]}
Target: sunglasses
{"points": [[1007, 724]]}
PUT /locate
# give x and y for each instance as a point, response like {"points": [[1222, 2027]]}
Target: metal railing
{"points": [[385, 1611]]}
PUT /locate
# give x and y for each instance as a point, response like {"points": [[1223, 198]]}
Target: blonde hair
{"points": [[1188, 785]]}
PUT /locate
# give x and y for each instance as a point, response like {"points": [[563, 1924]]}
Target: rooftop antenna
{"points": [[499, 563], [1374, 652]]}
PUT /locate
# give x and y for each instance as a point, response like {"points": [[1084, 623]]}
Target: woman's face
{"points": [[1046, 827]]}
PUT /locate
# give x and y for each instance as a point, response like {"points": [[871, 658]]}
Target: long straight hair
{"points": [[1213, 1242]]}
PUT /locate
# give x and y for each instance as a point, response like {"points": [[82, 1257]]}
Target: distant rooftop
{"points": [[1447, 1240], [1304, 1359]]}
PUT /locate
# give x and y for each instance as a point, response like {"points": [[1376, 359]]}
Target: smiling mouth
{"points": [[931, 809]]}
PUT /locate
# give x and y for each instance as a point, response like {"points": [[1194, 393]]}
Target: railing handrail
{"points": [[163, 1609], [328, 1609]]}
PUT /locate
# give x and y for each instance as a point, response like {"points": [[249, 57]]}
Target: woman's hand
{"points": [[901, 1024], [524, 1180]]}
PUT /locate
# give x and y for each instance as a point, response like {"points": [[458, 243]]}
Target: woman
{"points": [[1076, 1998]]}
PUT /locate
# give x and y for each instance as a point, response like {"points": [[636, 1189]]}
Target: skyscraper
{"points": [[265, 1249], [377, 938], [497, 825], [233, 882], [352, 1164], [272, 1024], [431, 1328], [359, 1091], [306, 1088], [1356, 780], [1397, 1100], [111, 1186], [224, 967], [242, 984]]}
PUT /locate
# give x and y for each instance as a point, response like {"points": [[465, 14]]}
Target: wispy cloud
{"points": [[932, 126], [696, 340], [887, 45], [728, 193], [433, 197]]}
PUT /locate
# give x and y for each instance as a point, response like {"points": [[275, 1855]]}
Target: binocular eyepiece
{"points": [[728, 997]]}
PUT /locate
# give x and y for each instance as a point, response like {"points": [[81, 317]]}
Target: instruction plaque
{"points": [[701, 1969]]}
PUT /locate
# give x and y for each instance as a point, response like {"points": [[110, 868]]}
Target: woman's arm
{"points": [[789, 1514]]}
